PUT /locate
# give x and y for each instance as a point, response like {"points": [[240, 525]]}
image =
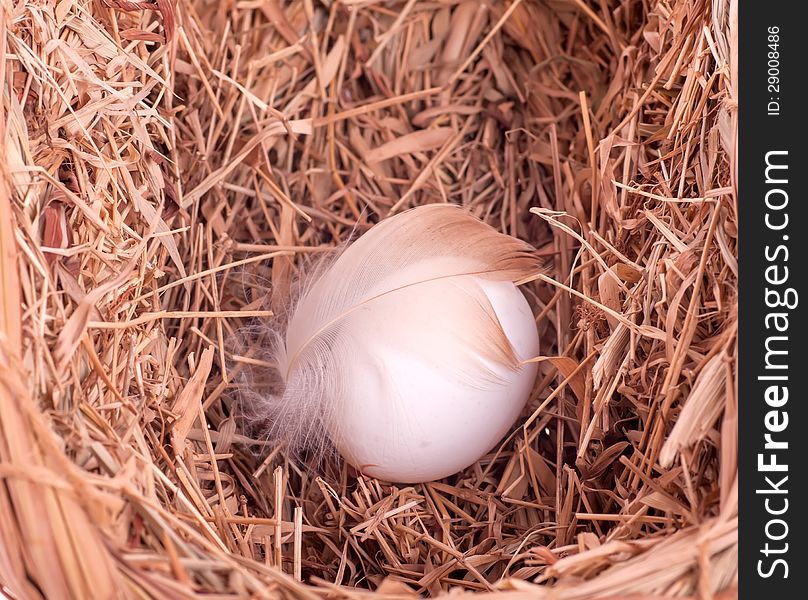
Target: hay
{"points": [[165, 162]]}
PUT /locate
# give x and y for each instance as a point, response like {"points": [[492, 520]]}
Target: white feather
{"points": [[413, 281]]}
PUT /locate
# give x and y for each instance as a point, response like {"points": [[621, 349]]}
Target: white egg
{"points": [[404, 417]]}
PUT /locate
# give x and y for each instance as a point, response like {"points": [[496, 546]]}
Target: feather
{"points": [[411, 281]]}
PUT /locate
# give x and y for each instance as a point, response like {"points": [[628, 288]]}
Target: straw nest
{"points": [[169, 165]]}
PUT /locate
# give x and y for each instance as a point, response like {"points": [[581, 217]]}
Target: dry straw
{"points": [[168, 166]]}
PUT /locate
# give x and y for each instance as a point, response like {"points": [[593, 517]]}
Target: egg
{"points": [[408, 350], [405, 416]]}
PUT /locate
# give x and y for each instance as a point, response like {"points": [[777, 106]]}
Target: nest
{"points": [[166, 163]]}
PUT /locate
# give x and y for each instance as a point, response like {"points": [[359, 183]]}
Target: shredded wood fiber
{"points": [[168, 166]]}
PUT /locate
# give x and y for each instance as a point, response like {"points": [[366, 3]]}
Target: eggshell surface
{"points": [[406, 418]]}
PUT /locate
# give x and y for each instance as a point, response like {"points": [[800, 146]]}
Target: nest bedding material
{"points": [[169, 166]]}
